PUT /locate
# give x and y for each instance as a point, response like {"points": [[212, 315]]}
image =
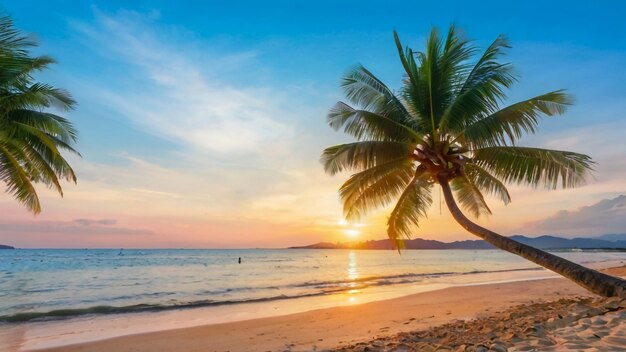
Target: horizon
{"points": [[297, 246], [200, 131]]}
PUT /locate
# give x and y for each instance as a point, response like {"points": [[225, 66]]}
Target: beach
{"points": [[545, 305], [293, 176]]}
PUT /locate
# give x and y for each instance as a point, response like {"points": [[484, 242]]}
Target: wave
{"points": [[136, 308], [407, 277], [318, 288]]}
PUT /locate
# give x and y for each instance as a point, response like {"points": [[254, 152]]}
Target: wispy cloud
{"points": [[76, 227], [181, 95], [244, 153], [89, 222]]}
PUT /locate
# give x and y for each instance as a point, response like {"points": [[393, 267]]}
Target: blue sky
{"points": [[201, 123]]}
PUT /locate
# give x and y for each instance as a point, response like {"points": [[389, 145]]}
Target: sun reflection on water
{"points": [[353, 272], [353, 275]]}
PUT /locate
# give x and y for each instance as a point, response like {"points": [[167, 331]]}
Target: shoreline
{"points": [[471, 278], [92, 328], [333, 327]]}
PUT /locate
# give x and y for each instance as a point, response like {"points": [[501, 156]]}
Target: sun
{"points": [[352, 233], [350, 230]]}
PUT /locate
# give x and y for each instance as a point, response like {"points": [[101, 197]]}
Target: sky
{"points": [[201, 123]]}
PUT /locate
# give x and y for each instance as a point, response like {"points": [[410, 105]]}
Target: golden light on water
{"points": [[353, 275]]}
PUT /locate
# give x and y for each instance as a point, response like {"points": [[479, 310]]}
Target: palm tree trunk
{"points": [[592, 280]]}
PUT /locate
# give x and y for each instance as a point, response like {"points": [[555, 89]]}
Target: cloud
{"points": [[89, 222], [75, 227], [182, 94], [606, 216]]}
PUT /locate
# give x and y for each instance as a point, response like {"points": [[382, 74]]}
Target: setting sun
{"points": [[351, 232], [349, 229]]}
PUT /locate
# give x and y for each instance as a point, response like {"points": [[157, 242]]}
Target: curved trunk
{"points": [[592, 280]]}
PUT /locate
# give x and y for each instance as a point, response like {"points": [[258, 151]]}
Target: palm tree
{"points": [[446, 127], [31, 139]]}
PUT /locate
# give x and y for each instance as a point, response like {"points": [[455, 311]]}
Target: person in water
{"points": [[239, 260]]}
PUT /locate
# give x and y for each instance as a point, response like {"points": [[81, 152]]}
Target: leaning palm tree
{"points": [[446, 127], [31, 139]]}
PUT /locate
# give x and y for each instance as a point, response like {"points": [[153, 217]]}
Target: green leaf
{"points": [[509, 124], [487, 183], [535, 167], [37, 95], [482, 89], [15, 177], [52, 124], [375, 187], [363, 89], [469, 196], [411, 206], [363, 155], [41, 168], [363, 124]]}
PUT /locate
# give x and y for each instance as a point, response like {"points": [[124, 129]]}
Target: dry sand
{"points": [[358, 327]]}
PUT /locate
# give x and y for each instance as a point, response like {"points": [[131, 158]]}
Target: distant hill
{"points": [[553, 242], [613, 237], [417, 243], [543, 242], [4, 246]]}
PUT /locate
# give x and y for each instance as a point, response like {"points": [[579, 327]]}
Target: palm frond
{"points": [[47, 149], [482, 88], [37, 96], [509, 124], [411, 206], [401, 53], [457, 50], [534, 166], [359, 156], [363, 124], [469, 196], [52, 124], [31, 140], [442, 66], [363, 89], [11, 40], [375, 187], [16, 72], [414, 91], [41, 168], [18, 182], [40, 153], [487, 183]]}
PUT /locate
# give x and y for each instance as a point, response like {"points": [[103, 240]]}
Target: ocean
{"points": [[52, 284]]}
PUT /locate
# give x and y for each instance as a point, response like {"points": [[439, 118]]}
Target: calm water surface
{"points": [[52, 283]]}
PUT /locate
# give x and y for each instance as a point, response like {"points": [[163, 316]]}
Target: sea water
{"points": [[52, 284]]}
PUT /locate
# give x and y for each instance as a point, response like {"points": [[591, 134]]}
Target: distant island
{"points": [[543, 242], [4, 246]]}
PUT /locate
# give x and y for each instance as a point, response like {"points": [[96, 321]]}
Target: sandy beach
{"points": [[550, 311], [339, 176]]}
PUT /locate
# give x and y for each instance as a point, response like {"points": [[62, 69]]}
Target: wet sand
{"points": [[357, 327]]}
